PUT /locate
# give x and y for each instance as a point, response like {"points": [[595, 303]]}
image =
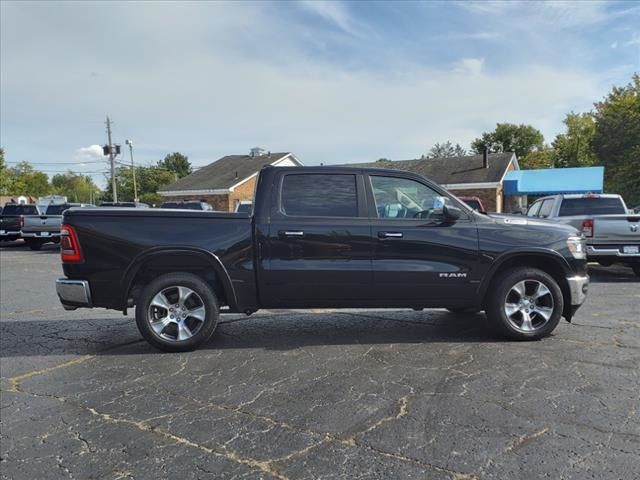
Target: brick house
{"points": [[471, 175], [227, 181]]}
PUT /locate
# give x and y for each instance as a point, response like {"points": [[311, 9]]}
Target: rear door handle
{"points": [[389, 235], [291, 233]]}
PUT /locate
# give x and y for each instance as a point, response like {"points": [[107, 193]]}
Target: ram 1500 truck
{"points": [[45, 227], [321, 237], [612, 231], [11, 219]]}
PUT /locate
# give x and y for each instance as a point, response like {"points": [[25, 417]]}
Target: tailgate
{"points": [[616, 229], [42, 223]]}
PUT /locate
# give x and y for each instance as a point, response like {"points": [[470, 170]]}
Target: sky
{"points": [[333, 82]]}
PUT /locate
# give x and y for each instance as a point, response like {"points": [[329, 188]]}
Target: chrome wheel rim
{"points": [[529, 305], [176, 313]]}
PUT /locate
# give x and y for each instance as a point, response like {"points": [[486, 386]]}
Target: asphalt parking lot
{"points": [[322, 394]]}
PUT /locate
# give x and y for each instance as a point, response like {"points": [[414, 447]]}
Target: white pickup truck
{"points": [[43, 228], [611, 229]]}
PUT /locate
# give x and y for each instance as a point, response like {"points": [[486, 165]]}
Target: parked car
{"points": [[45, 227], [474, 202], [322, 237], [613, 234], [10, 219], [124, 204], [244, 206], [188, 205]]}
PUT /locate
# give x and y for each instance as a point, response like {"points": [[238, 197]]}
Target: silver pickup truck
{"points": [[612, 231], [45, 227]]}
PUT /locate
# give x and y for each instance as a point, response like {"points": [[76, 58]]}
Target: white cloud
{"points": [[333, 12], [92, 152]]}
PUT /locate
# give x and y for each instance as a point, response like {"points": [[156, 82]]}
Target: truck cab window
{"points": [[545, 208], [404, 198], [534, 209], [319, 195]]}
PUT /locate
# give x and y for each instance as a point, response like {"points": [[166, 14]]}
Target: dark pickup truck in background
{"points": [[11, 219], [322, 237]]}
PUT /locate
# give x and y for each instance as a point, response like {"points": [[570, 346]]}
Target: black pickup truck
{"points": [[322, 237], [11, 220]]}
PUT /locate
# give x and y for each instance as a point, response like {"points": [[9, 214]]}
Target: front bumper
{"points": [[73, 293], [578, 287]]}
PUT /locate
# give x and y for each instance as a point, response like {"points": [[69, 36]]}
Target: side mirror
{"points": [[451, 212]]}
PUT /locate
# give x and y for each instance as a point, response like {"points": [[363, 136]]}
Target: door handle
{"points": [[291, 233], [390, 235]]}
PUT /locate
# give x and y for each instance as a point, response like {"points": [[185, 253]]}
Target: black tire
{"points": [[502, 287], [33, 244], [636, 269], [167, 282]]}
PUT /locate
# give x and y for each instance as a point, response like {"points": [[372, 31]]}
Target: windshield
{"points": [[56, 209], [591, 206], [19, 209]]}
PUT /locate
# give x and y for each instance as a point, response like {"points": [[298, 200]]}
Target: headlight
{"points": [[577, 248]]}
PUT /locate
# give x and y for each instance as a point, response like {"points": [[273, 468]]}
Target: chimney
{"points": [[257, 151], [485, 156]]}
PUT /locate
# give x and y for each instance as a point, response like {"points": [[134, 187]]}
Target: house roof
{"points": [[451, 170], [224, 173]]}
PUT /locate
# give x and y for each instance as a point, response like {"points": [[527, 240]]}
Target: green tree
{"points": [[176, 163], [508, 137], [6, 178], [574, 148], [446, 149], [28, 181], [76, 187], [616, 141], [542, 158], [148, 181]]}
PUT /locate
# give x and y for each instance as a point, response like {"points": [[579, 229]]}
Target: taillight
{"points": [[70, 250], [587, 228], [21, 220]]}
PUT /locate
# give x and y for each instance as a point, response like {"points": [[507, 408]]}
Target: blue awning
{"points": [[552, 181]]}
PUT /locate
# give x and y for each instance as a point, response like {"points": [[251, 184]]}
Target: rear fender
{"points": [[207, 259]]}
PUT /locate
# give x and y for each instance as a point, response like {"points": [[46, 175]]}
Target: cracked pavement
{"points": [[315, 394]]}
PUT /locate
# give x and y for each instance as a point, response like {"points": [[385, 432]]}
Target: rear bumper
{"points": [[39, 234], [9, 233], [73, 293], [578, 287], [593, 251]]}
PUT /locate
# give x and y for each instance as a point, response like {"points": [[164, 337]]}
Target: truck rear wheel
{"points": [[33, 243], [525, 303], [176, 312]]}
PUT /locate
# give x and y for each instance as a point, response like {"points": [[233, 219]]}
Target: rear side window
{"points": [[545, 208], [319, 195], [591, 206]]}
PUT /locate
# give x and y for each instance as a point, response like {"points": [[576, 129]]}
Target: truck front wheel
{"points": [[176, 312], [525, 303]]}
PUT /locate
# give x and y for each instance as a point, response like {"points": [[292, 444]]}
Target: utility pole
{"points": [[112, 160], [133, 170]]}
